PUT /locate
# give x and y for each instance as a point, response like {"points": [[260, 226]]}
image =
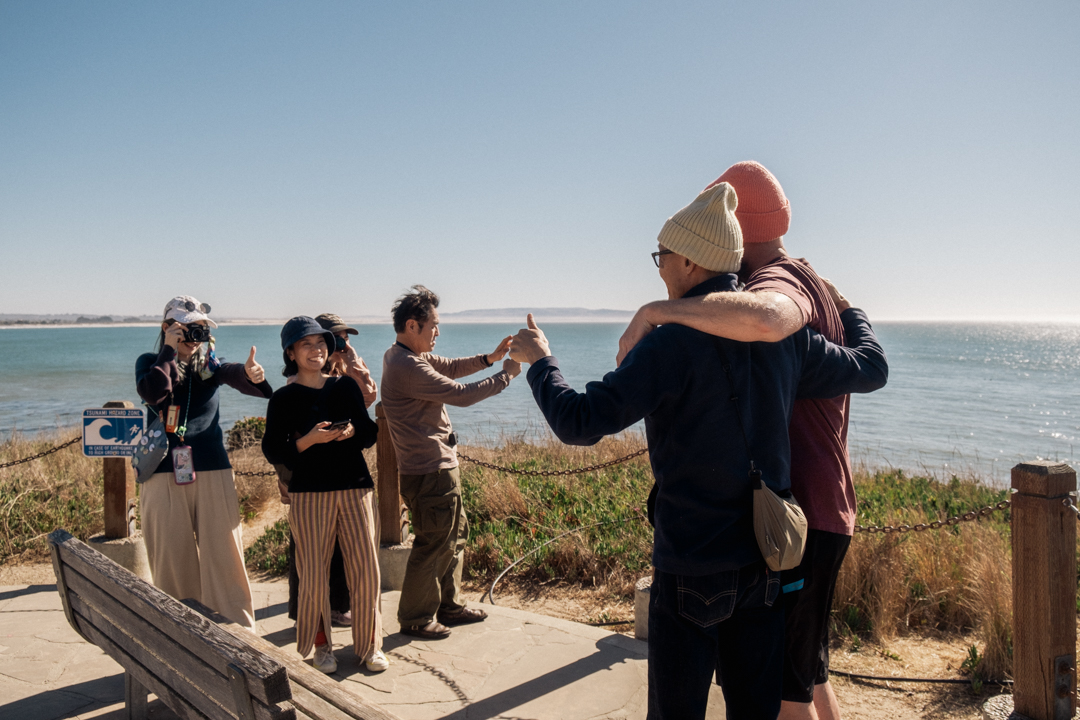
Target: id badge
{"points": [[171, 417], [183, 465]]}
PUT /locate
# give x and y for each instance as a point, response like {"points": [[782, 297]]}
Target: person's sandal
{"points": [[462, 617], [432, 631]]}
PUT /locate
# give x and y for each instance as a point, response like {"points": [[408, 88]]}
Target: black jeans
{"points": [[728, 621]]}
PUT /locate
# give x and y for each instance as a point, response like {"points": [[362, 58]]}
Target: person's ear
{"points": [[412, 327]]}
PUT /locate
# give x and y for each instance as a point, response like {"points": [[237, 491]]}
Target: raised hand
{"points": [[635, 332], [838, 298], [511, 367], [174, 335], [253, 369], [499, 352], [530, 344]]}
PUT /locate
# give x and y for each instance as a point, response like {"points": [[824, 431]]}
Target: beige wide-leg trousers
{"points": [[194, 541]]}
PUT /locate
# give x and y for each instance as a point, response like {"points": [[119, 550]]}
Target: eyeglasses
{"points": [[656, 255]]}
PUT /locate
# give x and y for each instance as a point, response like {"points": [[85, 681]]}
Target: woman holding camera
{"points": [[318, 426], [189, 509]]}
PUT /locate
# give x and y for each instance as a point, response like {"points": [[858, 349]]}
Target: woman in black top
{"points": [[191, 520], [318, 427]]}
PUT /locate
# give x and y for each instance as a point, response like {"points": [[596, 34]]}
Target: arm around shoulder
{"points": [[764, 316]]}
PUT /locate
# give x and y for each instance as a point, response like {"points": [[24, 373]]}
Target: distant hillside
{"points": [[73, 319]]}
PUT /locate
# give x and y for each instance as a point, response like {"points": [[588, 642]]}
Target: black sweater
{"points": [[157, 380], [338, 465]]}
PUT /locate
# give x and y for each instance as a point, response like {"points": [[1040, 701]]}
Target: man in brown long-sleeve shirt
{"points": [[416, 387]]}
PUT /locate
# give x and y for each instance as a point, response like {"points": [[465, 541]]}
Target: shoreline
{"points": [[259, 323]]}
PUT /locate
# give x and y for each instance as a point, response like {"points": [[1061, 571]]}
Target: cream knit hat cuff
{"points": [[706, 231]]}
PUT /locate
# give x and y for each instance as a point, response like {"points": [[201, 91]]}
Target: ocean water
{"points": [[962, 398]]}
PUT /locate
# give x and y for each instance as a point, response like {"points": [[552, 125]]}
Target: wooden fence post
{"points": [[119, 490], [393, 515], [1044, 591]]}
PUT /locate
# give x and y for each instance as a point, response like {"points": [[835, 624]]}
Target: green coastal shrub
{"points": [[246, 433], [270, 552]]}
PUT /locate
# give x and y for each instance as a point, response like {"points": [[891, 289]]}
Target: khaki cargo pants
{"points": [[433, 575]]}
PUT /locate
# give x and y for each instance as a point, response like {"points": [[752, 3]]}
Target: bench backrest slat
{"points": [[173, 651], [314, 694], [151, 682], [181, 671]]}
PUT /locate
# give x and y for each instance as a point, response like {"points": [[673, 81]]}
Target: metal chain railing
{"points": [[1068, 502], [937, 524], [50, 451], [261, 473], [552, 473]]}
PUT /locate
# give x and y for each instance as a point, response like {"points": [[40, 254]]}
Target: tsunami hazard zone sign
{"points": [[112, 432]]}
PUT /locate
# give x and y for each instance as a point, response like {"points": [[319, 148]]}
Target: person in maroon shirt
{"points": [[784, 294]]}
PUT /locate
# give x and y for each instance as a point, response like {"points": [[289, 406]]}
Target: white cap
{"points": [[185, 310]]}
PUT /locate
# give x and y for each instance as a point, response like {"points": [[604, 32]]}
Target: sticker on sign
{"points": [[111, 432]]}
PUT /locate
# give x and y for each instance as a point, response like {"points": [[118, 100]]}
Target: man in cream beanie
{"points": [[707, 231], [713, 602], [784, 294]]}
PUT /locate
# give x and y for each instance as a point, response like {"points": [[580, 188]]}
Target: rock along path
{"points": [[516, 664]]}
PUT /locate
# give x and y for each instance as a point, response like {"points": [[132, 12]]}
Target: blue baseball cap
{"points": [[299, 328]]}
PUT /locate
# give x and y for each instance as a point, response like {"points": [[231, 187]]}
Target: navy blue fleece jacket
{"points": [[674, 379]]}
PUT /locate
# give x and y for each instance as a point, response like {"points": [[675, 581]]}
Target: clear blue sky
{"points": [[282, 158]]}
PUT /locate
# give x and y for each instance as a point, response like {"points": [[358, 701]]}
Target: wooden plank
{"points": [[185, 673], [58, 571], [393, 517], [1044, 591], [305, 677], [267, 680], [129, 630], [314, 706], [135, 697], [119, 488], [165, 694], [204, 701]]}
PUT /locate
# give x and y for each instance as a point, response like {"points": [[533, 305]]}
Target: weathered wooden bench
{"points": [[196, 662]]}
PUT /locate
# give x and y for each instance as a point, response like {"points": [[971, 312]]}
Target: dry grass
{"points": [[63, 489], [955, 580]]}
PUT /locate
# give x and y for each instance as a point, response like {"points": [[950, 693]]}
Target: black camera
{"points": [[196, 333], [340, 343]]}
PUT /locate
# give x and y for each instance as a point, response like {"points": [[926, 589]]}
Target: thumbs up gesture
{"points": [[253, 369], [530, 344]]}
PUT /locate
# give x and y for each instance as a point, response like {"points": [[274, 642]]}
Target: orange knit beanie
{"points": [[764, 212]]}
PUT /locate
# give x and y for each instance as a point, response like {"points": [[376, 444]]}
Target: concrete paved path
{"points": [[514, 665]]}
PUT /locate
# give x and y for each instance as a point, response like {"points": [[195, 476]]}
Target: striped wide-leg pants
{"points": [[316, 519]]}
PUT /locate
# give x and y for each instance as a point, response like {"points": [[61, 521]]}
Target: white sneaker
{"points": [[324, 659], [377, 661]]}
